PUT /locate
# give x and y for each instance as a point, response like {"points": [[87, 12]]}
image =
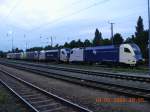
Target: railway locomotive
{"points": [[129, 54], [58, 55]]}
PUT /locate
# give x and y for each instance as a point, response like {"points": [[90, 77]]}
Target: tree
{"points": [[73, 44], [49, 47], [56, 46], [87, 43], [106, 42], [66, 45], [35, 49], [142, 42], [139, 27], [2, 54], [98, 38], [17, 50], [141, 37], [130, 39], [117, 39], [79, 43]]}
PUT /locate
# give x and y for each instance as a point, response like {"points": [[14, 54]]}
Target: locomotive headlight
{"points": [[134, 59]]}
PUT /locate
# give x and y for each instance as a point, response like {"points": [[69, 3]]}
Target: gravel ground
{"points": [[123, 82], [121, 70], [81, 95], [9, 103], [126, 71]]}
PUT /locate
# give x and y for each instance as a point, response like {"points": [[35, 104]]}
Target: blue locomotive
{"points": [[125, 53]]}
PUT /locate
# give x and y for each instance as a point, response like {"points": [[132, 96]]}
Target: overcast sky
{"points": [[35, 21]]}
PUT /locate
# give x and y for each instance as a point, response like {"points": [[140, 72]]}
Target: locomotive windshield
{"points": [[136, 49], [68, 52]]}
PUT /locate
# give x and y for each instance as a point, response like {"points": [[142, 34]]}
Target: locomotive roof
{"points": [[52, 50], [103, 47]]}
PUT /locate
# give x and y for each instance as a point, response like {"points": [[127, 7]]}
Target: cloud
{"points": [[63, 19]]}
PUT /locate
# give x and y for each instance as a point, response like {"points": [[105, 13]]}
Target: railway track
{"points": [[88, 72], [36, 98], [91, 82]]}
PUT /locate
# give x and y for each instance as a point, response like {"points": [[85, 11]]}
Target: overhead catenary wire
{"points": [[7, 16], [17, 4], [68, 6], [71, 4], [69, 15], [11, 11]]}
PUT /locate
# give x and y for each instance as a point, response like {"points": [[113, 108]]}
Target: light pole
{"points": [[51, 41], [40, 39], [149, 34], [25, 42], [112, 31], [12, 40]]}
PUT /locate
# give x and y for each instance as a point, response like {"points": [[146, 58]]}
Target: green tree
{"points": [[142, 42], [87, 43], [56, 46], [2, 54], [98, 38], [73, 44], [79, 43], [141, 37], [35, 49], [117, 39], [49, 47], [17, 50], [130, 39], [139, 27], [66, 45], [106, 42]]}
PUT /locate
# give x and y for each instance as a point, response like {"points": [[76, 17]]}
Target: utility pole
{"points": [[12, 42], [41, 39], [112, 31], [149, 34], [25, 41], [51, 41], [12, 39]]}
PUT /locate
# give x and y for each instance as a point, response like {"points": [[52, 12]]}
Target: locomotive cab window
{"points": [[127, 50], [71, 52], [62, 52]]}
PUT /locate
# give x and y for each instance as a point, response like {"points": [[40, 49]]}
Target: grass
{"points": [[3, 97], [9, 103], [116, 69], [132, 70]]}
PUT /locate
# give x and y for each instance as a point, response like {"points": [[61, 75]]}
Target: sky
{"points": [[30, 23]]}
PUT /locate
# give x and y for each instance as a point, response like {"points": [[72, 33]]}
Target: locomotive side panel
{"points": [[52, 55], [102, 54]]}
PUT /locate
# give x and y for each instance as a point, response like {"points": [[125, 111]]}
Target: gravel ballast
{"points": [[83, 96], [9, 103]]}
